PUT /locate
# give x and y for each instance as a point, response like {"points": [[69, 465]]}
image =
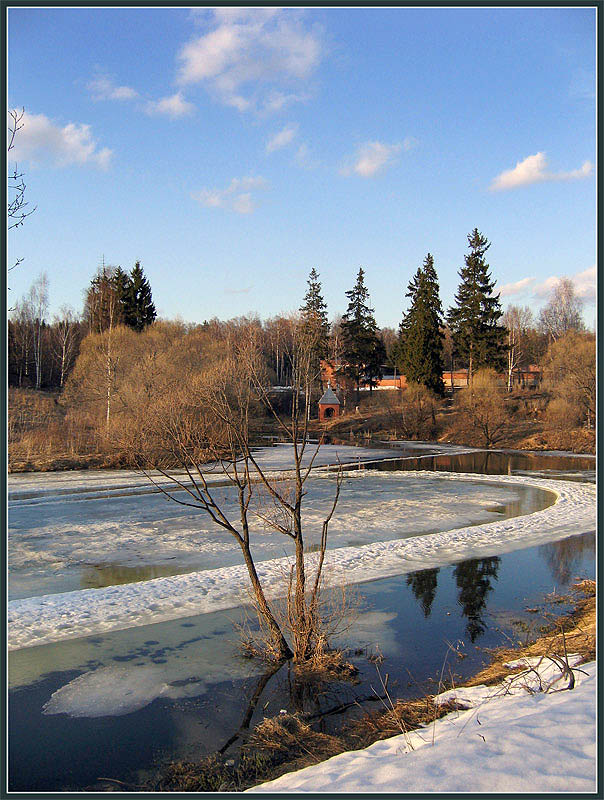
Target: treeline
{"points": [[109, 364], [42, 353]]}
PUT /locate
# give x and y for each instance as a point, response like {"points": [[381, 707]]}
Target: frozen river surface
{"points": [[101, 537], [106, 554], [132, 599]]}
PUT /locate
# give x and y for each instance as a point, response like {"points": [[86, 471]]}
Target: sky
{"points": [[231, 150]]}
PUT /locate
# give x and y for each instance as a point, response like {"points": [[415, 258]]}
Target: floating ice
{"points": [[114, 691], [40, 620]]}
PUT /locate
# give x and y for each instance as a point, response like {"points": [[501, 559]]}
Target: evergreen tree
{"points": [[103, 303], [362, 349], [121, 281], [139, 310], [421, 340], [315, 333], [314, 314], [474, 320]]}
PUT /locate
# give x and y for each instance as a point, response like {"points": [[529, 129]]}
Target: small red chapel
{"points": [[329, 405]]}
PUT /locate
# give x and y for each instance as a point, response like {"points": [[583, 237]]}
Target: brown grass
{"points": [[573, 633]]}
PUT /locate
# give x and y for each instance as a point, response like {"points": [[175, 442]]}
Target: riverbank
{"points": [[524, 723]]}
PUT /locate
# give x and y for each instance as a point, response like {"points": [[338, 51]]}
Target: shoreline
{"points": [[417, 744]]}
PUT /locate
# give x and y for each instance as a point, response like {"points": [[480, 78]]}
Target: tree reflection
{"points": [[563, 557], [473, 579], [423, 585]]}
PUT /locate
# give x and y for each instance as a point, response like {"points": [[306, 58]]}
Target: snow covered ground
{"points": [[49, 618], [512, 738]]}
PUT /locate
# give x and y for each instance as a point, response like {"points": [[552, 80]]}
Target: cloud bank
{"points": [[584, 283], [248, 57]]}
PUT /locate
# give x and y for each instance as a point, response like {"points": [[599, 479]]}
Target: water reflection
{"points": [[423, 585], [473, 579], [564, 557], [488, 462]]}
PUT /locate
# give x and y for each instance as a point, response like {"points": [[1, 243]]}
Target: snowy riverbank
{"points": [[512, 738], [49, 618]]}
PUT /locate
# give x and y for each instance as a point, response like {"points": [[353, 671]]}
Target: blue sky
{"points": [[232, 150]]}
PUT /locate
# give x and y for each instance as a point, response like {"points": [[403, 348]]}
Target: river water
{"points": [[120, 704]]}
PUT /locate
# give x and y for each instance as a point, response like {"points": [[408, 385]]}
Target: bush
{"points": [[483, 407], [418, 412]]}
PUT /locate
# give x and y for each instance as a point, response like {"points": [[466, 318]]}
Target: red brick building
{"points": [[329, 404]]}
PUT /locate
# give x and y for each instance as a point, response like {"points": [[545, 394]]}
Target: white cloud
{"points": [[236, 197], [103, 88], [584, 284], [371, 158], [534, 170], [173, 106], [277, 101], [281, 139], [40, 140], [248, 54], [519, 287]]}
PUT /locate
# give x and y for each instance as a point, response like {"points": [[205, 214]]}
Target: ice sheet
{"points": [[50, 618]]}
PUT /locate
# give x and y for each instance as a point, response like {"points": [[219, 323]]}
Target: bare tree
{"points": [[517, 320], [22, 328], [17, 204], [563, 311], [65, 334], [483, 407], [569, 369], [211, 417], [38, 300]]}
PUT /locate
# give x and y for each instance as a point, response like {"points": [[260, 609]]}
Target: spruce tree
{"points": [[362, 349], [122, 283], [314, 314], [139, 310], [421, 339], [474, 320]]}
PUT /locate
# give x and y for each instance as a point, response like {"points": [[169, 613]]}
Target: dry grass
{"points": [[277, 746], [572, 633]]}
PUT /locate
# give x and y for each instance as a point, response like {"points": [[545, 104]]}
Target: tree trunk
{"points": [[281, 646], [301, 634]]}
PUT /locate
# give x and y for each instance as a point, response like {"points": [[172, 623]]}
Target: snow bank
{"points": [[40, 620], [512, 738]]}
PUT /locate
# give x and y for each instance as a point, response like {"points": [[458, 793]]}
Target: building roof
{"points": [[330, 398]]}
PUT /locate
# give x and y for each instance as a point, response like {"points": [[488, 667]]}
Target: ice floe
{"points": [[49, 618]]}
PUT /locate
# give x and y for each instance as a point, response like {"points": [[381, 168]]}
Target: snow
{"points": [[511, 738], [73, 539], [67, 615], [82, 541]]}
